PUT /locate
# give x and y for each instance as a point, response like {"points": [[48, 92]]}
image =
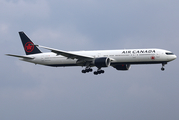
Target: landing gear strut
{"points": [[163, 64]]}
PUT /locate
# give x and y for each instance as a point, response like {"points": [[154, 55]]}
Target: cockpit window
{"points": [[168, 53]]}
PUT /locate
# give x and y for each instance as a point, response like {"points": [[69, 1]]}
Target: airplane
{"points": [[119, 59]]}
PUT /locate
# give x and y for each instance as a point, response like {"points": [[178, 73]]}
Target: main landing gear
{"points": [[86, 70], [163, 64], [99, 71]]}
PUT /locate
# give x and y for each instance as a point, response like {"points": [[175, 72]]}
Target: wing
{"points": [[68, 54], [19, 56]]}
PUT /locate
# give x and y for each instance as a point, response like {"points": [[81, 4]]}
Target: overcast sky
{"points": [[35, 92]]}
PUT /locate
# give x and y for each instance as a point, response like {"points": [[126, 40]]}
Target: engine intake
{"points": [[102, 62], [122, 67]]}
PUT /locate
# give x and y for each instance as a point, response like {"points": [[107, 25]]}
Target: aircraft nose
{"points": [[172, 57], [175, 57]]}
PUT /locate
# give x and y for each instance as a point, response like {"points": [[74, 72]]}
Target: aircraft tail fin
{"points": [[28, 45]]}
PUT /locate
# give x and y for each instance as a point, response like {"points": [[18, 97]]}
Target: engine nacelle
{"points": [[122, 67], [102, 62]]}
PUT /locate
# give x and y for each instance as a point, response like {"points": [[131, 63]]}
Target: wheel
{"points": [[90, 70], [95, 73], [102, 71], [99, 72], [162, 69], [83, 71], [87, 70]]}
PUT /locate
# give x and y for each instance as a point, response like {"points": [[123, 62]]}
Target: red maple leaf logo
{"points": [[153, 58], [29, 47]]}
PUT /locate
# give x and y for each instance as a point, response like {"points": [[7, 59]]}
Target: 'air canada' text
{"points": [[138, 51]]}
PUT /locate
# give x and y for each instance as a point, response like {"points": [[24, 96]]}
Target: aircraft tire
{"points": [[95, 73], [90, 70], [162, 69], [83, 71]]}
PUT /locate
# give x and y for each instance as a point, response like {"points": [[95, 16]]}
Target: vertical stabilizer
{"points": [[28, 44]]}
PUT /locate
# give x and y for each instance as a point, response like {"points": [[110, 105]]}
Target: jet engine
{"points": [[122, 67], [102, 62]]}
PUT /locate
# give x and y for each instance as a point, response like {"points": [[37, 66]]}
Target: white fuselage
{"points": [[126, 56]]}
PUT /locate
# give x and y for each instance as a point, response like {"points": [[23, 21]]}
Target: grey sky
{"points": [[29, 91]]}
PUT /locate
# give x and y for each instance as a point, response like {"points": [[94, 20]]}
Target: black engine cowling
{"points": [[102, 62], [122, 67]]}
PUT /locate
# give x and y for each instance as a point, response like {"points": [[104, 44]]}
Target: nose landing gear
{"points": [[163, 64]]}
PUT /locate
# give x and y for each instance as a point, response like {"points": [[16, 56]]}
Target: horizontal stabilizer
{"points": [[19, 56]]}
